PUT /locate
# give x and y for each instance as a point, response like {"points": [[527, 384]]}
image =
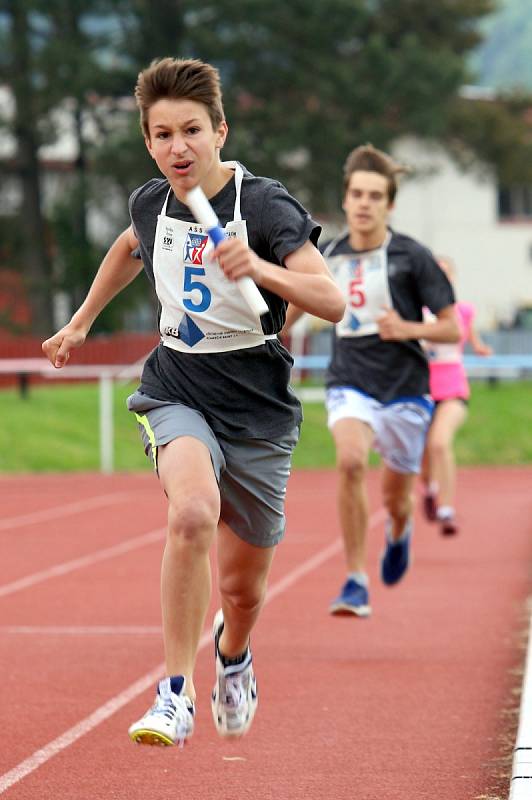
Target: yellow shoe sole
{"points": [[144, 736]]}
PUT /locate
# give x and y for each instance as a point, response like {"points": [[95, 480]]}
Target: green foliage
{"points": [[56, 429], [304, 82], [65, 438], [49, 64], [496, 132], [497, 429], [119, 164]]}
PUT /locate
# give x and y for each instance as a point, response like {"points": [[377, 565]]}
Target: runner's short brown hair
{"points": [[179, 79], [367, 158]]}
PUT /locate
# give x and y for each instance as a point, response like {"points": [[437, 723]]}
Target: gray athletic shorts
{"points": [[252, 473], [400, 427]]}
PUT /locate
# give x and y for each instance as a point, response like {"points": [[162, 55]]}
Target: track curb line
{"points": [[521, 780]]}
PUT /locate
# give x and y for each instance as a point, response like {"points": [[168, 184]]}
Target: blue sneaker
{"points": [[353, 599], [396, 558]]}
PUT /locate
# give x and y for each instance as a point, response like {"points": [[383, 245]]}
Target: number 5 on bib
{"points": [[204, 214]]}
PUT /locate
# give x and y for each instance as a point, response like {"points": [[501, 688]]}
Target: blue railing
{"points": [[496, 366]]}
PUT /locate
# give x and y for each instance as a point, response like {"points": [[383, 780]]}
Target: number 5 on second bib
{"points": [[204, 214]]}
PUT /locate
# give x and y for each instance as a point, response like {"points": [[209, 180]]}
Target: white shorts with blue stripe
{"points": [[399, 427]]}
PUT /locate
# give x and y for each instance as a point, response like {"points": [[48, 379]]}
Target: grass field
{"points": [[56, 429]]}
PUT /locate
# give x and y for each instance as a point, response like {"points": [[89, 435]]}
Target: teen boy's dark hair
{"points": [[367, 158], [179, 79]]}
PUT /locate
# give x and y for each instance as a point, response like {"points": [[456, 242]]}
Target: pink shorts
{"points": [[447, 381]]}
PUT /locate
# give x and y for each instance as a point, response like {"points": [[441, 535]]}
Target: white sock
{"points": [[360, 577], [445, 512], [404, 533]]}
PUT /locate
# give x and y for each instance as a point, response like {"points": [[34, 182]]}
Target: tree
{"points": [[17, 65], [306, 82], [52, 61], [496, 132]]}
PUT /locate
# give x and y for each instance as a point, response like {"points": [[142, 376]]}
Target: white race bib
{"points": [[202, 311], [363, 279]]}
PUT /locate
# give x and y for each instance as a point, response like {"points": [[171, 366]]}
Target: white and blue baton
{"points": [[204, 214]]}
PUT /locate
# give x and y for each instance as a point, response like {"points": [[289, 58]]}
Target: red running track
{"points": [[413, 703]]}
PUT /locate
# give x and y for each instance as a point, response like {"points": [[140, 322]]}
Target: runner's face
{"points": [[183, 143], [366, 203]]}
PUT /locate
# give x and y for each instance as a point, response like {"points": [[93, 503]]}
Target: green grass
{"points": [[56, 429], [498, 429]]}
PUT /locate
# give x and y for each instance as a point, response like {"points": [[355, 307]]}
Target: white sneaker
{"points": [[234, 697], [170, 719]]}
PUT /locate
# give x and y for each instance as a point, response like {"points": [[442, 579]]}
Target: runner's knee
{"points": [[192, 522], [241, 596], [352, 465], [398, 506], [438, 446]]}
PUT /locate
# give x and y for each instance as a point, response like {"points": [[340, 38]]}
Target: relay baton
{"points": [[204, 214]]}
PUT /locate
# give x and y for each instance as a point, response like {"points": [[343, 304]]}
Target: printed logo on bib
{"points": [[191, 334], [167, 239], [195, 244], [187, 331]]}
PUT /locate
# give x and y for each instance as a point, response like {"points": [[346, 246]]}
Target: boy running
{"points": [[216, 412], [378, 378]]}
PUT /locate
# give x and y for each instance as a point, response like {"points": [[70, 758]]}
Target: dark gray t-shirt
{"points": [[240, 392], [389, 370]]}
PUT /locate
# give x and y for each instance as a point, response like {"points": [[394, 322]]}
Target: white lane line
{"points": [[83, 561], [68, 738], [316, 560], [82, 630], [46, 514], [113, 705], [521, 780]]}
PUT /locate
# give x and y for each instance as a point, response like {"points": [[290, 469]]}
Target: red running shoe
{"points": [[429, 506], [449, 527]]}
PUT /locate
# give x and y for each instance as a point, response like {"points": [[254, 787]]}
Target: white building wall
{"points": [[454, 213]]}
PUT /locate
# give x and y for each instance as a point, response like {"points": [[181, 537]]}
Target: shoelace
{"points": [[164, 705], [234, 691], [180, 712]]}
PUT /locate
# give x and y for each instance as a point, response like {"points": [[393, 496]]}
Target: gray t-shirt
{"points": [[240, 392]]}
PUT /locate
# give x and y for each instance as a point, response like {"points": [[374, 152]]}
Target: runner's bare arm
{"points": [[293, 313], [479, 347], [443, 329], [116, 271]]}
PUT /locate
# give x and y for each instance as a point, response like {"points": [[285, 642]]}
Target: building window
{"points": [[515, 202]]}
